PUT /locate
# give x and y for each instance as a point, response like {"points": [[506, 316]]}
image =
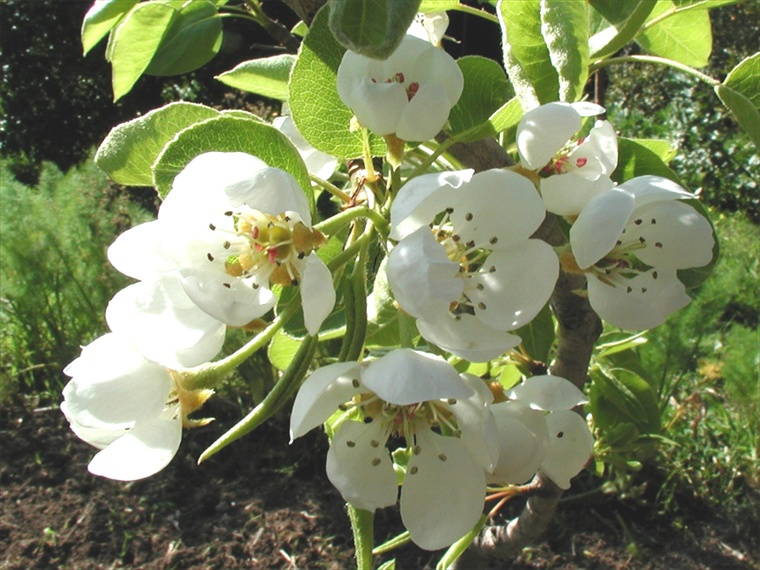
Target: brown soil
{"points": [[264, 504]]}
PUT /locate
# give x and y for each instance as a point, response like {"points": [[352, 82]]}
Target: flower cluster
{"points": [[468, 267]]}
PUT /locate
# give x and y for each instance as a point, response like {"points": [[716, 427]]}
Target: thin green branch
{"points": [[658, 60]]}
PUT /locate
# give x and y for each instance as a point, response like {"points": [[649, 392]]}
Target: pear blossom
{"points": [[573, 169], [230, 229], [318, 163], [444, 420], [129, 407], [465, 266], [631, 241], [539, 430], [409, 94]]}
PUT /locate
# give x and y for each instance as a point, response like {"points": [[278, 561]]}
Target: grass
{"points": [[55, 280]]}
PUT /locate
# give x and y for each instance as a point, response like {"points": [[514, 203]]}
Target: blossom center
{"points": [[398, 77], [271, 247]]}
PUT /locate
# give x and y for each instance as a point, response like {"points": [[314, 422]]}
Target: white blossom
{"points": [[631, 241], [465, 267], [446, 425], [230, 229], [409, 94], [574, 169], [128, 407], [430, 26], [539, 430]]}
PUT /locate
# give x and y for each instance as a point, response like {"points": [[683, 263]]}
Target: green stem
{"points": [[654, 59], [475, 12], [395, 542], [425, 164], [280, 393], [331, 188], [209, 375], [362, 525], [339, 221], [457, 549], [355, 293]]}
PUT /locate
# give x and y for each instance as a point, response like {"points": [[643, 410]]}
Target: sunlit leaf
{"points": [[101, 19], [267, 76], [564, 26], [486, 89], [685, 37]]}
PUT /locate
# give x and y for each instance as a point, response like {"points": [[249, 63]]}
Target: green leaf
{"points": [[227, 133], [685, 37], [740, 92], [427, 6], [101, 19], [636, 159], [506, 119], [382, 312], [626, 19], [564, 25], [282, 350], [267, 76], [486, 89], [526, 56], [663, 149], [135, 41], [372, 28], [627, 397], [538, 335], [193, 39], [319, 114], [130, 149]]}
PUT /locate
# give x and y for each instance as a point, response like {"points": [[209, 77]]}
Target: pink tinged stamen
{"points": [[399, 77], [272, 254], [559, 164], [581, 162], [255, 232]]}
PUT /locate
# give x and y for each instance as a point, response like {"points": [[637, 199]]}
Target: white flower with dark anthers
{"points": [[231, 228], [409, 94], [631, 241], [465, 267], [563, 446], [162, 323], [444, 419], [573, 170], [318, 163], [130, 408]]}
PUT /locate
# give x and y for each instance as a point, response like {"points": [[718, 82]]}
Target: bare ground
{"points": [[264, 504]]}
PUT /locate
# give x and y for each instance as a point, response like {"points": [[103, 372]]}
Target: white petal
{"points": [[97, 437], [438, 69], [271, 191], [407, 376], [548, 393], [411, 209], [476, 423], [467, 337], [202, 183], [317, 293], [360, 467], [519, 286], [543, 131], [648, 303], [603, 140], [599, 226], [138, 252], [587, 108], [681, 238], [650, 188], [571, 444], [443, 492], [524, 442], [163, 323], [425, 115], [430, 27], [423, 279], [321, 394], [141, 452], [233, 301], [567, 194], [113, 386], [318, 163], [378, 106], [497, 207]]}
